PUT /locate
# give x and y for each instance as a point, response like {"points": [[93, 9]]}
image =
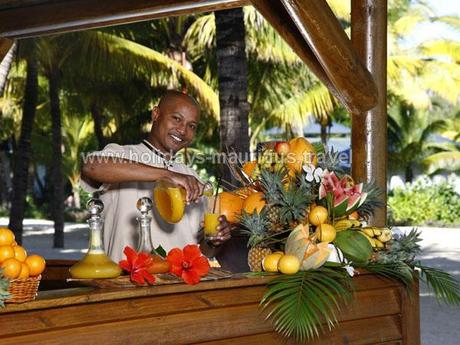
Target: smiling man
{"points": [[123, 174]]}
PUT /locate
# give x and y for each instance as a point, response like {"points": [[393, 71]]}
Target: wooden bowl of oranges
{"points": [[23, 271]]}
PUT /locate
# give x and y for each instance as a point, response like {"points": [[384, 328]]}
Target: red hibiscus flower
{"points": [[188, 263], [137, 265]]}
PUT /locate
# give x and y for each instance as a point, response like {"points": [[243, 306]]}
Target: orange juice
{"points": [[95, 265], [211, 221], [170, 201]]}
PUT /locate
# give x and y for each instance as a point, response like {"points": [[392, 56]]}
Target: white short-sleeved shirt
{"points": [[120, 225]]}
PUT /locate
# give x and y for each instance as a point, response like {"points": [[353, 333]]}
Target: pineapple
{"points": [[255, 225], [286, 205], [255, 257]]}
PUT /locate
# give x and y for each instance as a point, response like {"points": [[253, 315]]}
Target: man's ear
{"points": [[155, 113]]}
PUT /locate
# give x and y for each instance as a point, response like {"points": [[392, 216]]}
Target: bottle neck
{"points": [[145, 239], [96, 245]]}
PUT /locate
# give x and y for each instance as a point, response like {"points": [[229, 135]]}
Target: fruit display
{"points": [[14, 261], [307, 221]]}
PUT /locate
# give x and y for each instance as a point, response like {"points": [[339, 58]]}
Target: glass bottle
{"points": [[95, 264], [144, 205]]}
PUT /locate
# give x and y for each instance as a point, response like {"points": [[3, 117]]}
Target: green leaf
{"points": [[397, 270], [445, 286], [159, 251], [299, 304], [4, 294]]}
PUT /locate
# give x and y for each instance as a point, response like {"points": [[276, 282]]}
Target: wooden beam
{"points": [[58, 16], [5, 45], [275, 13], [331, 46], [369, 128]]}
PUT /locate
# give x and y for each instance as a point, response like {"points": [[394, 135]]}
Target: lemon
{"points": [[288, 264], [270, 262], [326, 233], [318, 215]]}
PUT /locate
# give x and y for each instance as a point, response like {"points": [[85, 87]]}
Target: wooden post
{"points": [[322, 31], [369, 128], [5, 45]]}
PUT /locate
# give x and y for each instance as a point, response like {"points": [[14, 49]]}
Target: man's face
{"points": [[175, 125]]}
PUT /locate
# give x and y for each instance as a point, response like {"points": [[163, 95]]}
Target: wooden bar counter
{"points": [[215, 312]]}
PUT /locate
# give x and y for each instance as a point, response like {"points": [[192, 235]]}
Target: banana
{"points": [[343, 224], [368, 231], [356, 223], [378, 243], [377, 231], [370, 239], [385, 236]]}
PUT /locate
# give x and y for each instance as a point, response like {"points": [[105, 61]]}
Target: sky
{"points": [[438, 30]]}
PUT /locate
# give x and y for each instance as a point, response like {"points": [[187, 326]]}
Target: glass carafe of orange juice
{"points": [[95, 264], [170, 200]]}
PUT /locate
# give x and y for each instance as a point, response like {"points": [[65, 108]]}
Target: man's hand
{"points": [[192, 186]]}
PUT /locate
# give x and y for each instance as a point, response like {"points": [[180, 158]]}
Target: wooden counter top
{"points": [[82, 295]]}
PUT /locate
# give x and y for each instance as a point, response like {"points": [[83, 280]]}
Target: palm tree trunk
{"points": [[56, 168], [23, 152], [232, 74], [97, 119], [5, 67], [409, 173]]}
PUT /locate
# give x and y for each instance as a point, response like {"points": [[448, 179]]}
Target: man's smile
{"points": [[176, 138]]}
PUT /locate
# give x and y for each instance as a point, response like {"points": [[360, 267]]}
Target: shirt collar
{"points": [[168, 162]]}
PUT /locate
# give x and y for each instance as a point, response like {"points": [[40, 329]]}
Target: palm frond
{"points": [[453, 21], [396, 270], [447, 161], [317, 102], [299, 304], [445, 286]]}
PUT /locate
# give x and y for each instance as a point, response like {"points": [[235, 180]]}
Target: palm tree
{"points": [[409, 137], [22, 157], [232, 76], [77, 133]]}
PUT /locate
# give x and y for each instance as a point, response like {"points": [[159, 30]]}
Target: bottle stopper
{"points": [[144, 205], [95, 207]]}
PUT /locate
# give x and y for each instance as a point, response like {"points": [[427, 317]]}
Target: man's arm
{"points": [[111, 170]]}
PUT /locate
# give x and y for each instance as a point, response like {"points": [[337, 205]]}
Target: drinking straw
{"points": [[215, 196]]}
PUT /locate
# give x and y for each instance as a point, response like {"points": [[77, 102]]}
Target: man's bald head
{"points": [[175, 121], [173, 97]]}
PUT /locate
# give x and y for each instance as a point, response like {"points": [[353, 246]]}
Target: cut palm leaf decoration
{"points": [[299, 305]]}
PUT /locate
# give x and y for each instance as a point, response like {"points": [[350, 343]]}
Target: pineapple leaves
{"points": [[300, 305]]}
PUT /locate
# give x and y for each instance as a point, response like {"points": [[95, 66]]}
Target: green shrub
{"points": [[425, 203]]}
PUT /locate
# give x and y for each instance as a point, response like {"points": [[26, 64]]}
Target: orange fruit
{"points": [[36, 264], [24, 274], [6, 237], [318, 215], [14, 244], [354, 215], [254, 202], [11, 268], [20, 253], [6, 252]]}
